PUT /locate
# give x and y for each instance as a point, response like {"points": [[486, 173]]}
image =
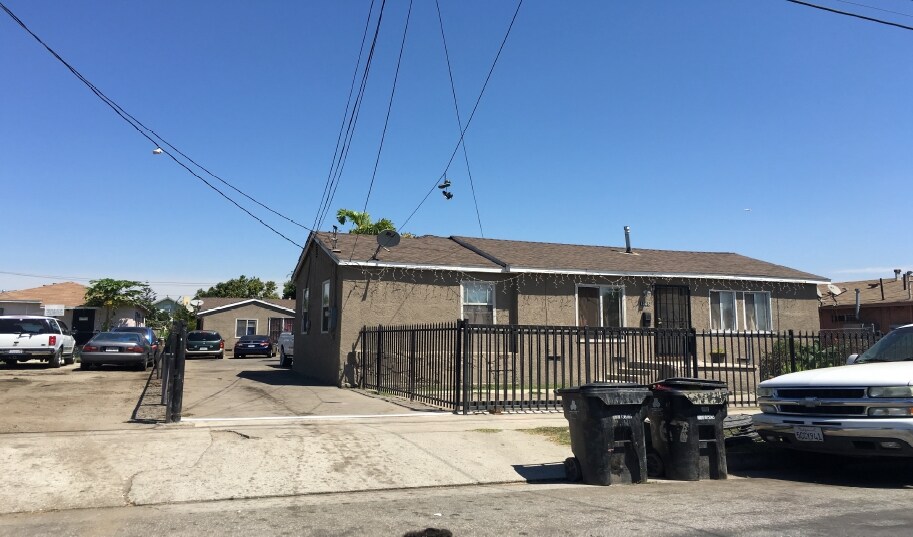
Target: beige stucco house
{"points": [[346, 282], [236, 317], [65, 302]]}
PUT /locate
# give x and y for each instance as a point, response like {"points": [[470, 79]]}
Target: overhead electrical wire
{"points": [[456, 108], [158, 141], [84, 279], [471, 115], [875, 8], [383, 135], [353, 120], [849, 14], [345, 115]]}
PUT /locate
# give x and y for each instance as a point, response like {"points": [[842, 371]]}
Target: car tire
{"points": [[283, 362], [143, 365], [70, 358], [84, 366], [57, 359], [11, 363]]}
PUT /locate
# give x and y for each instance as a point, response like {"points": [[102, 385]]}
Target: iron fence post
{"points": [[586, 352], [380, 355], [792, 351], [467, 365], [412, 365], [692, 350], [458, 366], [177, 397], [364, 358]]}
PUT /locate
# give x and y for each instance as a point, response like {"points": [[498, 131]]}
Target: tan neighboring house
{"points": [[65, 301], [346, 282], [884, 304], [236, 317]]}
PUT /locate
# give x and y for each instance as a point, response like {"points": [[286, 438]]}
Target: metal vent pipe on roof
{"points": [[896, 274], [857, 304], [627, 239]]}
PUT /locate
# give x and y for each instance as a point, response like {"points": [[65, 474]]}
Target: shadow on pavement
{"points": [[548, 472], [279, 377], [785, 465]]}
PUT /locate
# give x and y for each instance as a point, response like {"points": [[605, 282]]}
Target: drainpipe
{"points": [[857, 304]]}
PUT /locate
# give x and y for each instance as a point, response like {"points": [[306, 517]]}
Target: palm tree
{"points": [[361, 222]]}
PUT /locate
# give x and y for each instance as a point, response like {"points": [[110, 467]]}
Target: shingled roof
{"points": [[495, 255], [220, 303], [869, 293], [70, 294]]}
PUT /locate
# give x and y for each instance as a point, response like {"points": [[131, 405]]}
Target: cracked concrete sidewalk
{"points": [[231, 460]]}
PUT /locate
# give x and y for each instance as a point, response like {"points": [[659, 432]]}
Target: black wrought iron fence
{"points": [[468, 367]]}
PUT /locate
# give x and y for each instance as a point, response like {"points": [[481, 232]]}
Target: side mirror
{"points": [[852, 359]]}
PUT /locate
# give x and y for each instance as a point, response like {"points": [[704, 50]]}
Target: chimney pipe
{"points": [[857, 304], [627, 239], [896, 274]]}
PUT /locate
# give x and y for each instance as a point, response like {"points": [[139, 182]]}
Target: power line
{"points": [[875, 8], [471, 115], [353, 118], [847, 13], [142, 129], [342, 124], [383, 135], [84, 279], [456, 108]]}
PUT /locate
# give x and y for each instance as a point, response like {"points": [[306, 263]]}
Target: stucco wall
{"points": [[224, 321], [394, 297]]}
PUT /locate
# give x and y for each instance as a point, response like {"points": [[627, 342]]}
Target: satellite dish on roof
{"points": [[387, 238], [196, 302], [820, 295], [834, 289]]}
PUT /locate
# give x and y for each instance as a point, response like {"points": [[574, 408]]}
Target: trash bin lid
{"points": [[684, 383], [612, 393]]}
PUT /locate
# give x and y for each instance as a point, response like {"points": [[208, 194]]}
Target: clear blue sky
{"points": [[670, 117]]}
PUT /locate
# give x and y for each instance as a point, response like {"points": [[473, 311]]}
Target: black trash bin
{"points": [[686, 428], [607, 433]]}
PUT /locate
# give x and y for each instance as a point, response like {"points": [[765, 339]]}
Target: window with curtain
{"points": [[479, 302], [600, 306], [757, 312], [722, 310]]}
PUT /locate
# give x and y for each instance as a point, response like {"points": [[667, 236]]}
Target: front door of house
{"points": [[83, 325], [673, 311]]}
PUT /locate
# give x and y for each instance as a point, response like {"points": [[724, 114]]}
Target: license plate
{"points": [[15, 351], [111, 349], [251, 346], [204, 348], [808, 434]]}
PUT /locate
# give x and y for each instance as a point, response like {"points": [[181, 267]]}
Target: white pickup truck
{"points": [[286, 347], [29, 337], [865, 408]]}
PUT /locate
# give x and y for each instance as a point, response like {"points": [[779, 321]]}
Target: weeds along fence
{"points": [[467, 367]]}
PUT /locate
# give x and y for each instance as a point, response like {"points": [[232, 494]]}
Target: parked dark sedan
{"points": [[248, 345], [122, 348], [204, 343]]}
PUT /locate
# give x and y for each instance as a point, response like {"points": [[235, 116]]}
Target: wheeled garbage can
{"points": [[686, 428], [607, 432]]}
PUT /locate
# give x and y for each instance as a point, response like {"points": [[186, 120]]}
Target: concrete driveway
{"points": [[252, 388]]}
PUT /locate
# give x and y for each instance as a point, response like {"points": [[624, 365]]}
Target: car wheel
{"points": [[57, 359], [11, 363], [143, 365], [70, 358], [84, 365], [283, 362]]}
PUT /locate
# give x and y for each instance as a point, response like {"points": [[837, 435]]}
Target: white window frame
{"points": [[770, 321], [305, 309], [735, 309], [256, 326], [325, 293], [494, 299], [621, 304]]}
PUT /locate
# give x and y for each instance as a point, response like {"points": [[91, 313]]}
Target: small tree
{"points": [[241, 287], [113, 294], [361, 222], [289, 289]]}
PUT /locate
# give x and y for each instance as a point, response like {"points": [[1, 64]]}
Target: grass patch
{"points": [[487, 430], [558, 435]]}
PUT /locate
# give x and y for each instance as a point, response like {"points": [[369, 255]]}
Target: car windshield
{"points": [[203, 336], [136, 330], [118, 337], [897, 346], [24, 326], [253, 339]]}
